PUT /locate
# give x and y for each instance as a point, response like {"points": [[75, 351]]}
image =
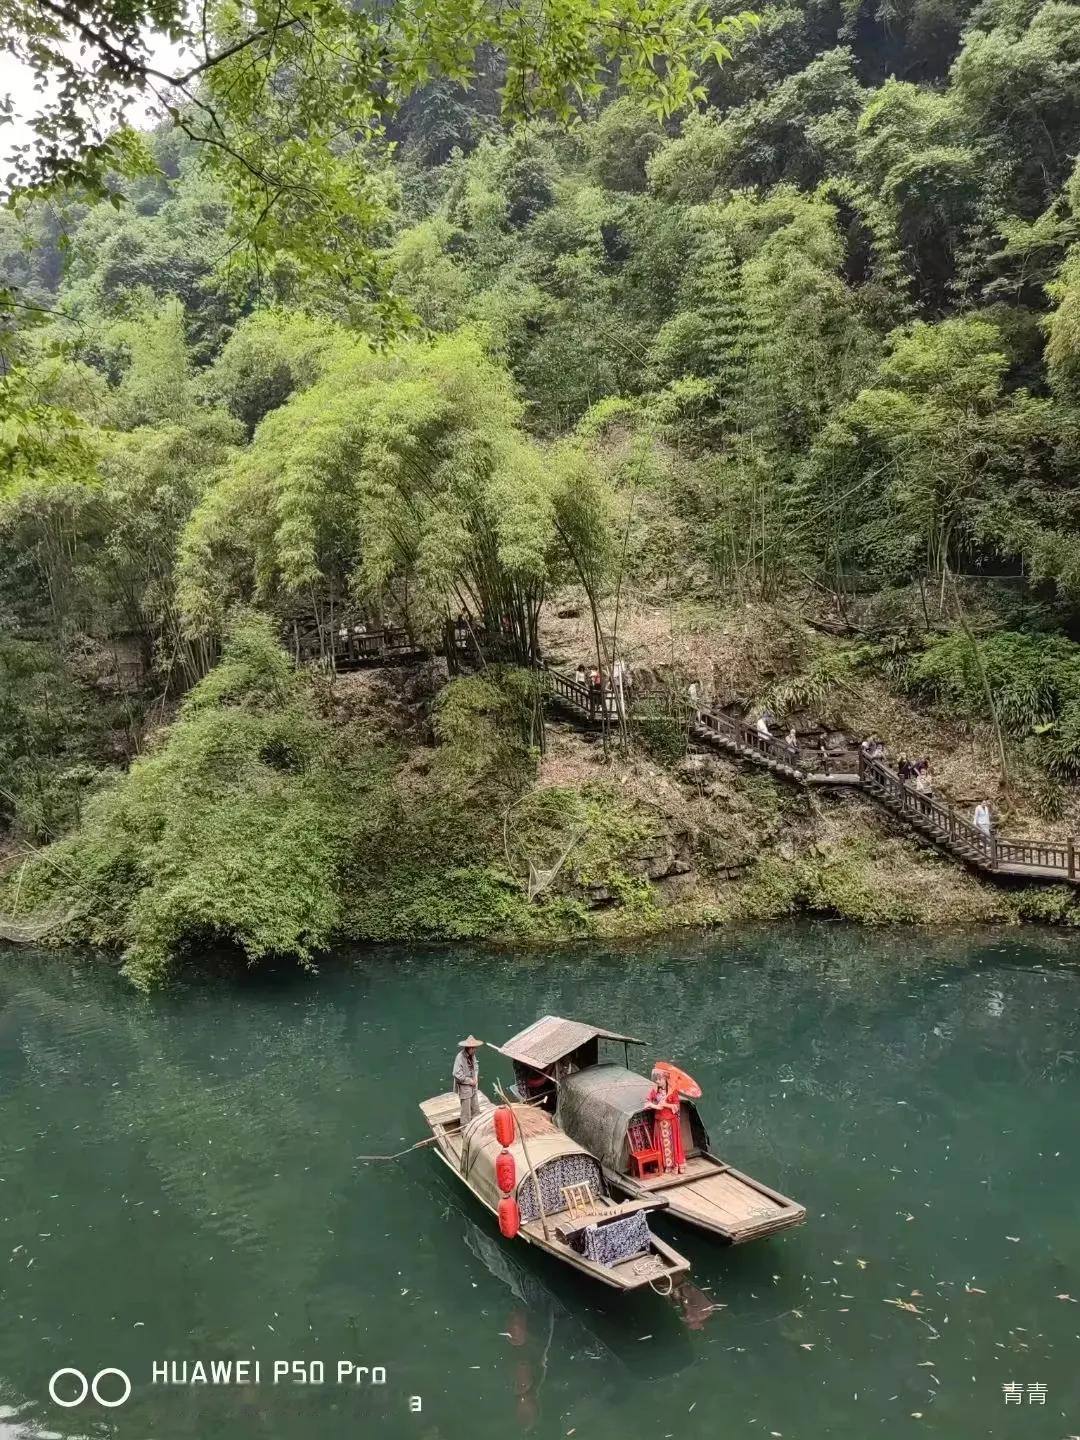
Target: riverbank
{"points": [[284, 812]]}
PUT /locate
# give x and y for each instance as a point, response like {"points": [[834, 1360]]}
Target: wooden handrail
{"points": [[964, 837], [588, 698], [941, 817]]}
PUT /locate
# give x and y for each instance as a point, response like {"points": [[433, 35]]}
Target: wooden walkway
{"points": [[932, 819], [355, 649]]}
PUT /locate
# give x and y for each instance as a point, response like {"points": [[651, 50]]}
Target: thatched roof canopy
{"points": [[552, 1038]]}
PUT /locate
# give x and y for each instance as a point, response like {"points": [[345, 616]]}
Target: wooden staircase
{"points": [[933, 820]]}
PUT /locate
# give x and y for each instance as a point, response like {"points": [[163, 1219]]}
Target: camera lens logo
{"points": [[88, 1387]]}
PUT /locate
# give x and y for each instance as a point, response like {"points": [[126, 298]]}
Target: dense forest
{"points": [[776, 391]]}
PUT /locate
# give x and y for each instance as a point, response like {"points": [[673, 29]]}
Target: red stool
{"points": [[645, 1158]]}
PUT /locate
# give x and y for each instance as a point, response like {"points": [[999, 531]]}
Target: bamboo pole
{"points": [[525, 1151]]}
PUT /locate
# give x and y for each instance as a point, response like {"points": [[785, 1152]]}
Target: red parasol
{"points": [[679, 1080]]}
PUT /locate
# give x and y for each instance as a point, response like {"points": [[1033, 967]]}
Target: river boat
{"points": [[565, 1205], [602, 1105]]}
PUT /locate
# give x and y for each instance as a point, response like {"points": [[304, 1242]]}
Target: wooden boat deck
{"points": [[715, 1197], [697, 1166]]}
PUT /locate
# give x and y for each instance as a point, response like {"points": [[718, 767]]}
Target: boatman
{"points": [[466, 1075]]}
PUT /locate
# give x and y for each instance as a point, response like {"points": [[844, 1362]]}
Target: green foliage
{"points": [[393, 474], [266, 359], [53, 739], [284, 108], [660, 723], [230, 831], [819, 337], [620, 145], [485, 723], [1034, 679]]}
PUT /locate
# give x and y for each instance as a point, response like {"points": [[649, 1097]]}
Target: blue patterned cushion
{"points": [[618, 1239], [566, 1170]]}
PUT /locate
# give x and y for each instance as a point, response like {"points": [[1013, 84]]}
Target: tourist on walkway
{"points": [[594, 692], [692, 692], [924, 781], [791, 741], [466, 1076], [982, 817], [905, 769], [762, 726], [579, 675]]}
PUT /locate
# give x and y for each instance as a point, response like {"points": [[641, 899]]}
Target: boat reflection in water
{"points": [[550, 1313]]}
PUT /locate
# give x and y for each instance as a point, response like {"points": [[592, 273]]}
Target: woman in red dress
{"points": [[667, 1130]]}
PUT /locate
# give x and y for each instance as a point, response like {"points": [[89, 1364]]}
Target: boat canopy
{"points": [[552, 1038], [557, 1158], [597, 1105]]}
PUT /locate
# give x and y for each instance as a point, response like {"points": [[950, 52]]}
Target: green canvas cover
{"points": [[597, 1104]]}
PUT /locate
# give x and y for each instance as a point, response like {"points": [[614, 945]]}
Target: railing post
{"points": [[993, 851], [862, 767], [1072, 858]]}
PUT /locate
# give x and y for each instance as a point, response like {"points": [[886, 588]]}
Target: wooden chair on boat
{"points": [[645, 1157], [580, 1201]]}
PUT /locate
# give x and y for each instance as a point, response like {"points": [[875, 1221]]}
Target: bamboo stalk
{"points": [[525, 1151]]}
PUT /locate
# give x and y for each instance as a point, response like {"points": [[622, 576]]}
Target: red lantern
{"points": [[509, 1217], [504, 1125], [518, 1327], [505, 1172]]}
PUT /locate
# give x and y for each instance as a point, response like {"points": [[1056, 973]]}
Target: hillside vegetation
{"points": [[779, 394]]}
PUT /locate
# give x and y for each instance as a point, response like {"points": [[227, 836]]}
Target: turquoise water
{"points": [[178, 1183]]}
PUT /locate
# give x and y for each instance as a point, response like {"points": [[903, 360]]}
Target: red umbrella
{"points": [[679, 1080]]}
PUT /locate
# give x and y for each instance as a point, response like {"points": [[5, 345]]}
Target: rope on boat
{"points": [[420, 1144], [670, 1285]]}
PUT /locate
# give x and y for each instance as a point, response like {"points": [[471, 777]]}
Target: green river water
{"points": [[178, 1182]]}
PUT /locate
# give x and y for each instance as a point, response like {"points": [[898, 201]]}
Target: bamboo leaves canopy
{"points": [[398, 474]]}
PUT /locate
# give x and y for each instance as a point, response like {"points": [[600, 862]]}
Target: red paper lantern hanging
{"points": [[504, 1125], [509, 1217], [505, 1172]]}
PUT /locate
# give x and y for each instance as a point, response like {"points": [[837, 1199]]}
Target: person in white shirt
{"points": [[982, 817], [763, 728]]}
